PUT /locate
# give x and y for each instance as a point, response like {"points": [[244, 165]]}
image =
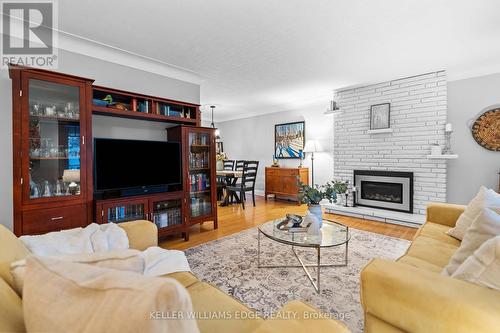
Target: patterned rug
{"points": [[230, 263]]}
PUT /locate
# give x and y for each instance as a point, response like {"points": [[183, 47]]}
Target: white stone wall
{"points": [[418, 118]]}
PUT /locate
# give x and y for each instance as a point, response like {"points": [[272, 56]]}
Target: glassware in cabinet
{"points": [[54, 139]]}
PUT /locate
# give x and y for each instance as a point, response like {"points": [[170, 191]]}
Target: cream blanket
{"points": [[91, 239], [83, 244]]}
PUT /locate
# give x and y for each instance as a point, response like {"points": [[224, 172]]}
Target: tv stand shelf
{"points": [[163, 209]]}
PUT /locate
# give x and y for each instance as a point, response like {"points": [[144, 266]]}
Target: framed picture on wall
{"points": [[289, 139], [380, 116]]}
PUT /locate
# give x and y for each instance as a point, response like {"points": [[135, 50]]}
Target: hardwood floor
{"points": [[233, 219]]}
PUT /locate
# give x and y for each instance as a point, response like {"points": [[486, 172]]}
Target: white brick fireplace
{"points": [[417, 119]]}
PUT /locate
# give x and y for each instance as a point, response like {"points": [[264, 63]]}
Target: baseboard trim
{"points": [[260, 193]]}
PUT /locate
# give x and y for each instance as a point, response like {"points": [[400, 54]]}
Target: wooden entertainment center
{"points": [[53, 159]]}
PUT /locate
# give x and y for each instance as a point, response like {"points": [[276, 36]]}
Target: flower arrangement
{"points": [[340, 187], [221, 157], [312, 195]]}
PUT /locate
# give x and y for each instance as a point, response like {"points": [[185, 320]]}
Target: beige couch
{"points": [[205, 298], [410, 294]]}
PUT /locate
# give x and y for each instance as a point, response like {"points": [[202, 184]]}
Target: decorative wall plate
{"points": [[486, 130]]}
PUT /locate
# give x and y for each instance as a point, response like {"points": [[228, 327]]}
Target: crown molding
{"points": [[91, 48], [94, 49]]}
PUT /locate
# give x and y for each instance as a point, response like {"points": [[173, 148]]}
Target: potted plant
{"points": [[312, 196], [341, 187]]}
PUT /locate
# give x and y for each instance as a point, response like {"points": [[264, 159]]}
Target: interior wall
{"points": [[253, 139], [417, 120], [105, 74], [476, 166]]}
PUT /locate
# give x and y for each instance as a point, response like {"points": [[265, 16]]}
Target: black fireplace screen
{"points": [[381, 191]]}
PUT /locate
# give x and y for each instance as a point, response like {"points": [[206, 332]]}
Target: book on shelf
{"points": [[199, 182], [168, 217]]}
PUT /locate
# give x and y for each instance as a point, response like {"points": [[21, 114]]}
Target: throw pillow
{"points": [[483, 267], [123, 260], [60, 296], [484, 227], [484, 198]]}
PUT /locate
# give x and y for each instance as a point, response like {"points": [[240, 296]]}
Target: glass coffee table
{"points": [[332, 234]]}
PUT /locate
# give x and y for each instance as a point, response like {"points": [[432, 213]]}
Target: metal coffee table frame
{"points": [[304, 266]]}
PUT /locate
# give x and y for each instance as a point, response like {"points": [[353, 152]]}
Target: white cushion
{"points": [[60, 296], [485, 198], [123, 260], [484, 227], [483, 267]]}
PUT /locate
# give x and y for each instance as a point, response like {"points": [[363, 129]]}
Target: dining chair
{"points": [[247, 183], [239, 165], [229, 165]]}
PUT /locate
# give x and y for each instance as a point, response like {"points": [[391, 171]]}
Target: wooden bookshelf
{"points": [[198, 172], [131, 105]]}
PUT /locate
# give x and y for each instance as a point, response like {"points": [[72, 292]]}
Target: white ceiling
{"points": [[265, 56]]}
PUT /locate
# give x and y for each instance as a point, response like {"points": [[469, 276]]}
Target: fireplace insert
{"points": [[390, 190]]}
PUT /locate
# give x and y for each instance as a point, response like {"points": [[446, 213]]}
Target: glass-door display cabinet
{"points": [[164, 210], [199, 172], [50, 127]]}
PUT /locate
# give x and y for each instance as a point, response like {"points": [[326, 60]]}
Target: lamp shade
{"points": [[71, 176], [312, 146]]}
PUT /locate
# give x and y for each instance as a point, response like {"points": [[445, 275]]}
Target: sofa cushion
{"points": [[12, 250], [141, 234], [11, 310], [420, 263], [60, 296], [433, 251], [185, 278], [483, 267], [235, 317], [438, 232], [485, 198], [484, 227]]}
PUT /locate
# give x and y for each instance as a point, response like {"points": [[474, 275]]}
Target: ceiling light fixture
{"points": [[217, 133]]}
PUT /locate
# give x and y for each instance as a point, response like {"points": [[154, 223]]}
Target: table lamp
{"points": [[312, 146], [72, 177]]}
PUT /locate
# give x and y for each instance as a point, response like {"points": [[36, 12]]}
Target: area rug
{"points": [[230, 263]]}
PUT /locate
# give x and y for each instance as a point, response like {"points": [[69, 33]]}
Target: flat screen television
{"points": [[134, 166]]}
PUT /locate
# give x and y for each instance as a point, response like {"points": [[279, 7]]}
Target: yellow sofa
{"points": [[205, 298], [410, 294]]}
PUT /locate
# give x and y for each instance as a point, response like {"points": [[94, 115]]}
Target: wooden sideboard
{"points": [[283, 181]]}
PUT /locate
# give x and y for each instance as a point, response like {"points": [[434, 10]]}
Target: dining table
{"points": [[230, 178]]}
